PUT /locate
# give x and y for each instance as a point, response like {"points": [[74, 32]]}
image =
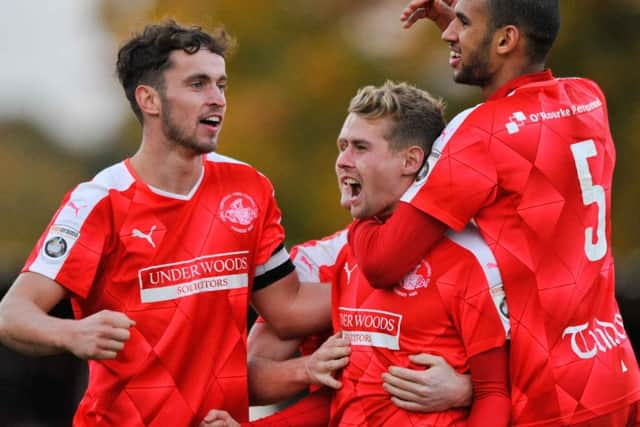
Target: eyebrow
{"points": [[354, 141], [462, 17], [206, 77]]}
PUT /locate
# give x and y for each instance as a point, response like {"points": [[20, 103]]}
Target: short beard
{"points": [[177, 135], [477, 73]]}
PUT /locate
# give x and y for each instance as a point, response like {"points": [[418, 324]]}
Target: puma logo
{"points": [[306, 262], [349, 271], [75, 208], [146, 236]]}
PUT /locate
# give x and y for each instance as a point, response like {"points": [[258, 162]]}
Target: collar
{"points": [[520, 81]]}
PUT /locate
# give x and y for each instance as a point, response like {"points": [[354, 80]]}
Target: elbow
{"points": [[284, 330]]}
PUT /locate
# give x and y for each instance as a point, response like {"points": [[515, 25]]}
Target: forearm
{"points": [[311, 411], [293, 309], [387, 252], [25, 328], [272, 381], [491, 400]]}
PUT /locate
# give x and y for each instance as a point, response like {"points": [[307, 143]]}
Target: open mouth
{"points": [[213, 121], [454, 58], [351, 187]]}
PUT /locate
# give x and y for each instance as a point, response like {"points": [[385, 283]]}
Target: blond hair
{"points": [[417, 116]]}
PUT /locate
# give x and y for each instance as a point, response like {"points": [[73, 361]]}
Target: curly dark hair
{"points": [[144, 58]]}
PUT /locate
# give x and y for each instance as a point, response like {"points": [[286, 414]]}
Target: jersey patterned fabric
{"points": [[317, 261], [533, 166], [182, 267], [450, 305]]}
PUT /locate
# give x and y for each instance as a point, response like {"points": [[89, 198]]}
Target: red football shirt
{"points": [[182, 267], [533, 168], [318, 261], [451, 305]]}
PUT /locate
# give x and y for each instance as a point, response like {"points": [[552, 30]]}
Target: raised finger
{"points": [[412, 7], [415, 16]]}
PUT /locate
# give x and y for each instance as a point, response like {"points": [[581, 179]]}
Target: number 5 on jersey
{"points": [[591, 193]]}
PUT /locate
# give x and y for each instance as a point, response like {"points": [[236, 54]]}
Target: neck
{"points": [[508, 73], [166, 166]]}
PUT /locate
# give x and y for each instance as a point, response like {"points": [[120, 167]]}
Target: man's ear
{"points": [[148, 100], [413, 159], [507, 39]]}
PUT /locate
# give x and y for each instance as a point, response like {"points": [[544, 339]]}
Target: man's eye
{"points": [[197, 85]]}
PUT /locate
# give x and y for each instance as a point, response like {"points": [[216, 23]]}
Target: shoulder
{"points": [[312, 256], [235, 168], [468, 247], [89, 195]]}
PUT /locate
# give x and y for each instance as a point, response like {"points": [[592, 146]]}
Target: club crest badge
{"points": [[239, 211], [419, 278], [59, 241]]}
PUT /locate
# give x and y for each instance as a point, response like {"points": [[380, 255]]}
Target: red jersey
{"points": [[533, 167], [182, 267], [451, 305], [318, 261]]}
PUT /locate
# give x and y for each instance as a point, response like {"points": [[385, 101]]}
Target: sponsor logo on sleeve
{"points": [[239, 210], [219, 272], [59, 241], [374, 328]]}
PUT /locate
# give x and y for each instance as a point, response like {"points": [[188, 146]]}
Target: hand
{"points": [[219, 418], [439, 11], [332, 355], [437, 388], [99, 336]]}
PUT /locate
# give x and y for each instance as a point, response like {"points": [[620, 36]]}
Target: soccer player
{"points": [[162, 253], [450, 304], [532, 167]]}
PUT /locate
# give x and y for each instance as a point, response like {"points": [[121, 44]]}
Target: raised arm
{"points": [[26, 326], [439, 11], [387, 252]]}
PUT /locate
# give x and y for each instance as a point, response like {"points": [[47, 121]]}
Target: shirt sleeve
{"points": [[272, 259], [490, 377], [317, 261], [460, 180], [72, 246]]}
